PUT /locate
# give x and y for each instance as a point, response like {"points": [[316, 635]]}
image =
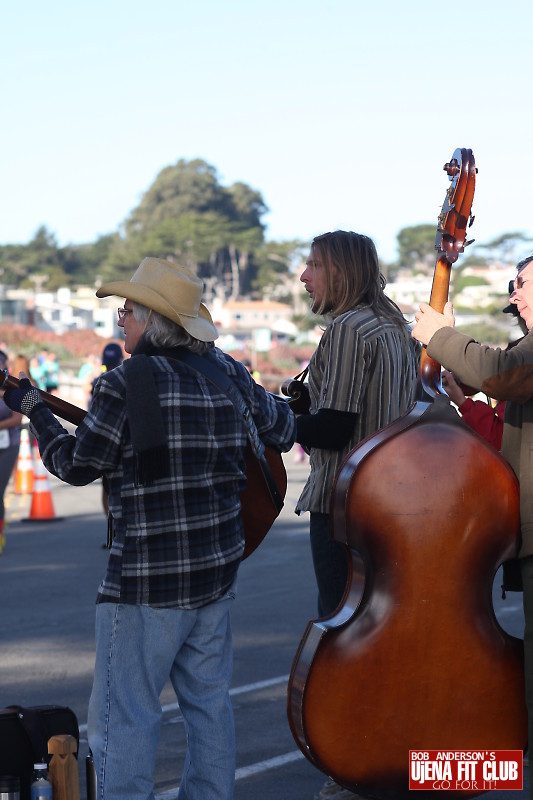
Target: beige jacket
{"points": [[504, 375]]}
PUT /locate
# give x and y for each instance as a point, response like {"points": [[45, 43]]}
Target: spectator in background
{"points": [[21, 364], [9, 449], [89, 366], [36, 373], [89, 370], [112, 356], [481, 416], [256, 375], [44, 371], [50, 369]]}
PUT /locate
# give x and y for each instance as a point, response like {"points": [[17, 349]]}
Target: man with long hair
{"points": [[361, 377]]}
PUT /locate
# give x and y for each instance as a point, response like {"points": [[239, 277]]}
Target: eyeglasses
{"points": [[519, 282], [122, 312]]}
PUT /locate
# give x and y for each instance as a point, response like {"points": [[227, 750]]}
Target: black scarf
{"points": [[148, 434]]}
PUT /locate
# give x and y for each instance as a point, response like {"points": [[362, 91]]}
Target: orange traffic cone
{"points": [[42, 507], [24, 473]]}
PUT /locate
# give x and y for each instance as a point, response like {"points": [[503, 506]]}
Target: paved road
{"points": [[49, 575]]}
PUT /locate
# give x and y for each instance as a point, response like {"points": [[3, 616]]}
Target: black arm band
{"points": [[327, 429]]}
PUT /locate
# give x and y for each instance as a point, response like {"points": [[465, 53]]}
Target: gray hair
{"points": [[162, 332]]}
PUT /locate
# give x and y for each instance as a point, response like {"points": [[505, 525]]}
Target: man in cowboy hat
{"points": [[171, 445]]}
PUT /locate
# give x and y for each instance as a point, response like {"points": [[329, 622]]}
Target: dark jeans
{"points": [[526, 565], [330, 562]]}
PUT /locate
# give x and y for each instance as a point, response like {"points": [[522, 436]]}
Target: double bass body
{"points": [[414, 657]]}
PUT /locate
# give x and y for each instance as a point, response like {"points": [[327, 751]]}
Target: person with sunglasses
{"points": [[504, 374]]}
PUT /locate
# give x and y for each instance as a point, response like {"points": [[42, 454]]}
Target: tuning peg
{"points": [[452, 168], [469, 242]]}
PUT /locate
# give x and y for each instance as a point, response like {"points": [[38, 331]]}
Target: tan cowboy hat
{"points": [[172, 291]]}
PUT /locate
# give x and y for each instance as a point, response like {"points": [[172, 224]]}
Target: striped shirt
{"points": [[178, 542], [363, 365]]}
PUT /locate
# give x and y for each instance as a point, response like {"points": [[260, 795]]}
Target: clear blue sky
{"points": [[340, 112]]}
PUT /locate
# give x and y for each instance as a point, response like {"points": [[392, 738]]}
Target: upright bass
{"points": [[414, 658]]}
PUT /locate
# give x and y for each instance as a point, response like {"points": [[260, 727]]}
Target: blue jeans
{"points": [[137, 649], [330, 561]]}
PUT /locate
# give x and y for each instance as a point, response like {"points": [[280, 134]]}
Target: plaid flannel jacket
{"points": [[178, 543]]}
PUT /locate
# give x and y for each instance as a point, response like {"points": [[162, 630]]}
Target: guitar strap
{"points": [[225, 384]]}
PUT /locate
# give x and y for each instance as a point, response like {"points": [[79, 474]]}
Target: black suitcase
{"points": [[24, 734]]}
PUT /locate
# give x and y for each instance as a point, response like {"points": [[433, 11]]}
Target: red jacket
{"points": [[484, 420]]}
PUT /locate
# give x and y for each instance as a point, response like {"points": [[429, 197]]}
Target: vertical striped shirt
{"points": [[364, 365]]}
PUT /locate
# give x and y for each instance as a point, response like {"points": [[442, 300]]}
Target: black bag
{"points": [[24, 734]]}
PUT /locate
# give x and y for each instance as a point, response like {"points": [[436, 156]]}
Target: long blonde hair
{"points": [[355, 257]]}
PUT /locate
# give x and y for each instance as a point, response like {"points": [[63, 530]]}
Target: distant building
{"points": [[61, 311], [248, 315], [240, 322]]}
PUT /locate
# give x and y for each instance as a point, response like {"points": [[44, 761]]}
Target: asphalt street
{"points": [[49, 575]]}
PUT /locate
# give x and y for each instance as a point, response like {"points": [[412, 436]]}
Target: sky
{"points": [[341, 113]]}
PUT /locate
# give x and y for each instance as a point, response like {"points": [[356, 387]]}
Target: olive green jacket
{"points": [[504, 375]]}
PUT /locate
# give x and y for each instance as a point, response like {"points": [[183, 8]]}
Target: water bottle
{"points": [[41, 788], [9, 788]]}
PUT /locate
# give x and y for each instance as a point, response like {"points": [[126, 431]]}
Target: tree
{"points": [[246, 235], [188, 216], [248, 205], [274, 261], [503, 248], [45, 268], [472, 260], [13, 264], [189, 186], [41, 263], [83, 263], [416, 247]]}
